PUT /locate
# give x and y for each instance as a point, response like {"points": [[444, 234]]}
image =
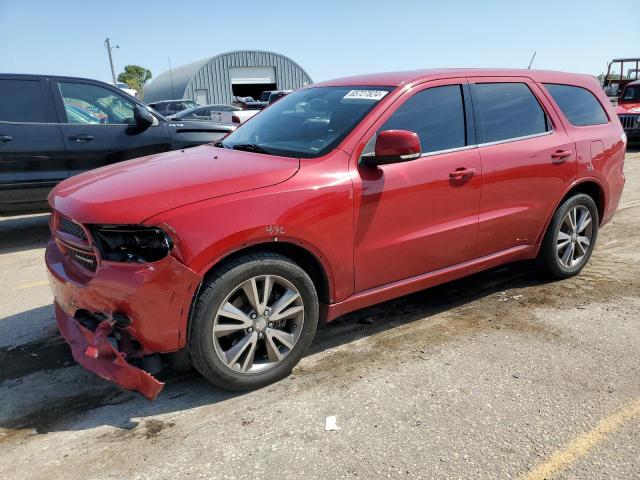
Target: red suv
{"points": [[338, 196], [628, 110]]}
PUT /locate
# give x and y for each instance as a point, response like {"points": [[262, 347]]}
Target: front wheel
{"points": [[253, 321], [570, 238]]}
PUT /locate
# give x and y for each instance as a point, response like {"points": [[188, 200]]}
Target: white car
{"points": [[127, 89], [216, 113]]}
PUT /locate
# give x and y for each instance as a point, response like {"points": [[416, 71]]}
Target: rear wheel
{"points": [[570, 238], [253, 321]]}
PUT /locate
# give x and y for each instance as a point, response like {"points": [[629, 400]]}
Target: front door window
{"points": [[85, 103]]}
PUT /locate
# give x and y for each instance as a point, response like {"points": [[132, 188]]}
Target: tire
{"points": [[214, 355], [558, 261]]}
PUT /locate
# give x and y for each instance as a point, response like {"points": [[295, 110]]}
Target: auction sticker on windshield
{"points": [[373, 95]]}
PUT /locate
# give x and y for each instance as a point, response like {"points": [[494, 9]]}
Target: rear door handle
{"points": [[561, 154], [83, 137], [462, 174], [5, 138]]}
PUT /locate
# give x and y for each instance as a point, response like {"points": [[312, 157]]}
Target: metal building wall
{"points": [[172, 84], [214, 77]]}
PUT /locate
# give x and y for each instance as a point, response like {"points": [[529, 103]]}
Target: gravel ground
{"points": [[500, 375]]}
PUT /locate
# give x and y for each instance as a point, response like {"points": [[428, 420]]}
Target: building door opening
{"points": [[252, 81], [201, 97], [253, 90]]}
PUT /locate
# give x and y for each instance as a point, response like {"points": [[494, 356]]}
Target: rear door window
{"points": [[21, 101], [508, 111], [436, 115], [578, 104]]}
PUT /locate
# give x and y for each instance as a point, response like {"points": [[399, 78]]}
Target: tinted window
{"points": [[21, 101], [436, 115], [85, 103], [579, 105], [508, 110], [632, 94]]}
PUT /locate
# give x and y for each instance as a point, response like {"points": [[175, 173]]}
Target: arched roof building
{"points": [[220, 78]]}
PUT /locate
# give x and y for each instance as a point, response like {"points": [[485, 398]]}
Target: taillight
{"points": [[235, 119]]}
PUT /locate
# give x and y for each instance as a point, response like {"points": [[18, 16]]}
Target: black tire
{"points": [[548, 259], [215, 289]]}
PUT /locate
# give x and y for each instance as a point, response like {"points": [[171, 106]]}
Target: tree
{"points": [[135, 76]]}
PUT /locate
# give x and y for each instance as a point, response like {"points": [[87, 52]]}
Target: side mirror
{"points": [[393, 146], [142, 116]]}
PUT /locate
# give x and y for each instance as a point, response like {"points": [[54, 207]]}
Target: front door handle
{"points": [[5, 138], [561, 155], [462, 174], [83, 137]]}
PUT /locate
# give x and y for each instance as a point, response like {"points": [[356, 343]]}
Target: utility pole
{"points": [[107, 44]]}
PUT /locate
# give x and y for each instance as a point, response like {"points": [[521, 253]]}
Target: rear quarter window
{"points": [[578, 104]]}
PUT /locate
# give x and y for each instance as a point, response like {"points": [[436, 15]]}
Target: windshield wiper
{"points": [[251, 147]]}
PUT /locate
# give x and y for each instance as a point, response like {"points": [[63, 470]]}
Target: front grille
{"points": [[629, 121], [74, 242], [67, 226], [86, 260]]}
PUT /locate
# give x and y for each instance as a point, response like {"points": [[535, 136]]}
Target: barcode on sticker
{"points": [[373, 95]]}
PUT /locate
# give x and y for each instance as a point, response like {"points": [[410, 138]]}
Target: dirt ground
{"points": [[500, 375]]}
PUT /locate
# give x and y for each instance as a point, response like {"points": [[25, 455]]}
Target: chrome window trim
{"points": [[475, 145], [449, 150], [516, 139]]}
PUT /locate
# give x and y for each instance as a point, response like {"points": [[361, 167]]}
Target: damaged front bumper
{"points": [[134, 310], [96, 353]]}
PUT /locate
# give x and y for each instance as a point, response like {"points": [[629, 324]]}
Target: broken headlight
{"points": [[131, 243]]}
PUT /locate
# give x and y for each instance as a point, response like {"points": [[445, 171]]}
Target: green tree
{"points": [[135, 76]]}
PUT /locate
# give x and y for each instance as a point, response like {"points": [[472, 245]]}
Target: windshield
{"points": [[307, 123], [632, 94]]}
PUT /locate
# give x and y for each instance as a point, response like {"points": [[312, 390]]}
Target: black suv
{"points": [[54, 127]]}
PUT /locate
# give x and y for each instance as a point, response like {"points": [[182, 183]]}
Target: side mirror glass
{"points": [[393, 146], [142, 116]]}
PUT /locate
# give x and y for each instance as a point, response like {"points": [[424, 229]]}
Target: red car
{"points": [[338, 196], [628, 110]]}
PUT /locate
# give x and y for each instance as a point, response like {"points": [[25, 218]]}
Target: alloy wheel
{"points": [[574, 237], [258, 324]]}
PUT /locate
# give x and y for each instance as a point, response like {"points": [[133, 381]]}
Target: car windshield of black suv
{"points": [[632, 94], [307, 123]]}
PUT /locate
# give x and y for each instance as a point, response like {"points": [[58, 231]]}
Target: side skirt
{"points": [[400, 288]]}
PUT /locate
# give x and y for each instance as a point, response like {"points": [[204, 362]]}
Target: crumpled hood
{"points": [[132, 191], [626, 108]]}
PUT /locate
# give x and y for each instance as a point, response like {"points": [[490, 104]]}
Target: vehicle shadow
{"points": [[23, 233], [104, 404]]}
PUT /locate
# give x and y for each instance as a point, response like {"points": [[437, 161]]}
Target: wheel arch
{"points": [[590, 187], [310, 262]]}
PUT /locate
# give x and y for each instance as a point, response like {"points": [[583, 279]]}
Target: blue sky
{"points": [[329, 38]]}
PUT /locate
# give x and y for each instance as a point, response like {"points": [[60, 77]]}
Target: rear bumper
{"points": [[106, 362]]}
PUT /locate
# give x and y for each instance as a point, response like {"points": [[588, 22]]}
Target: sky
{"points": [[328, 38]]}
